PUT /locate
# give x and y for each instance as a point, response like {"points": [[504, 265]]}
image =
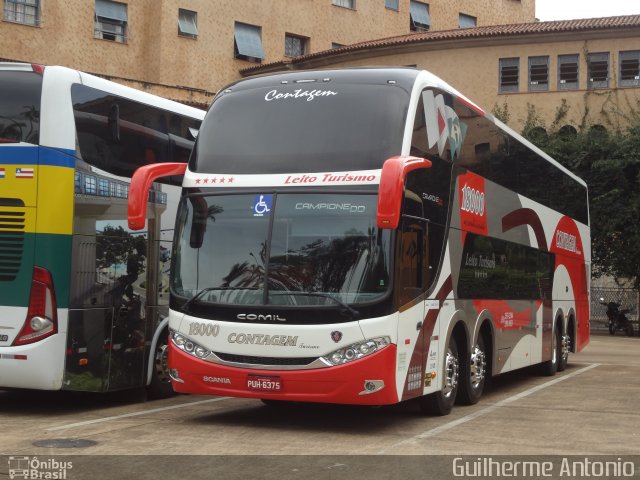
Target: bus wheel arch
{"points": [[159, 384], [441, 402]]}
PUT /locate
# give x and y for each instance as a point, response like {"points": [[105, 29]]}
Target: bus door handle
{"points": [[418, 325]]}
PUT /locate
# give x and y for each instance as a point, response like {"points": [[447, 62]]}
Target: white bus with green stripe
{"points": [[83, 301]]}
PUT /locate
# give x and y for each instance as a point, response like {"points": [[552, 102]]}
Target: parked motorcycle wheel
{"points": [[612, 329]]}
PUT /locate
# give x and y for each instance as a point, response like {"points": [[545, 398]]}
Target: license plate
{"points": [[272, 384], [4, 338]]}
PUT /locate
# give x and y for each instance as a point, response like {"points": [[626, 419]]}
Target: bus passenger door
{"points": [[412, 274]]}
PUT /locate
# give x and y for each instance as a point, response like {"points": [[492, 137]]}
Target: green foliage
{"points": [[609, 161], [501, 112]]}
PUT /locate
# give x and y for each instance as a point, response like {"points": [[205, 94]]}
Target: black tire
{"points": [[440, 403], [612, 329], [550, 367], [473, 375], [160, 386]]}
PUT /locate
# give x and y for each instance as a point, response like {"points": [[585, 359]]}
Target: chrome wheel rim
{"points": [[478, 367], [451, 374], [162, 364]]}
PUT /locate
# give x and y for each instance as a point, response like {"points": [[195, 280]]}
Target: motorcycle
{"points": [[618, 318]]}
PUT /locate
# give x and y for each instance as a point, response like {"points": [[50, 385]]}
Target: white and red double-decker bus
{"points": [[368, 236]]}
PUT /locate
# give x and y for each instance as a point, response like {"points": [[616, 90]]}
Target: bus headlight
{"points": [[356, 351], [188, 346]]}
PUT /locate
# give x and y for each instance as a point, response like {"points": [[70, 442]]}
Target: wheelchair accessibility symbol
{"points": [[262, 205]]}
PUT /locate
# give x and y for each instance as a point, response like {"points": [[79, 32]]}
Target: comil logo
{"points": [[472, 200]]}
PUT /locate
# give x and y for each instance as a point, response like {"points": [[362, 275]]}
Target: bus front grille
{"points": [[297, 361], [12, 226]]}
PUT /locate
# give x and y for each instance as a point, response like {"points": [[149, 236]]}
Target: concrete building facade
{"points": [[188, 49], [573, 74]]}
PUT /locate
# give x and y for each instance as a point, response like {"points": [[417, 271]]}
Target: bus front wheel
{"points": [[441, 402]]}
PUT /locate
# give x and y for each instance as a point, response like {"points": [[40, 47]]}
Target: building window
{"points": [[568, 72], [294, 45], [111, 21], [336, 45], [630, 69], [467, 21], [187, 23], [419, 16], [345, 3], [90, 185], [248, 42], [538, 74], [392, 4], [509, 74], [598, 68], [22, 11]]}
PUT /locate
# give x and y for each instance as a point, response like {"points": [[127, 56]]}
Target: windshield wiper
{"points": [[352, 312], [197, 296]]}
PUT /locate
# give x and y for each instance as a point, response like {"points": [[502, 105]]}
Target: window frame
{"points": [[191, 21], [466, 16], [388, 4], [237, 50], [303, 44], [118, 22], [568, 59], [414, 25], [349, 4], [591, 59], [32, 4], [630, 55], [540, 85], [508, 62]]}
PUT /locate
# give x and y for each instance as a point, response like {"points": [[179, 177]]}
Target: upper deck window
{"points": [[20, 106], [314, 126]]}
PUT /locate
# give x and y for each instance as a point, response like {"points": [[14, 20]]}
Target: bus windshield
{"points": [[332, 126], [20, 106], [285, 249]]}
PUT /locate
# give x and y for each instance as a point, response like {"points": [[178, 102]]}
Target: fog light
{"points": [[372, 386], [175, 375]]}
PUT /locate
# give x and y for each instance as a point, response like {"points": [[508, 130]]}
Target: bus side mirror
{"points": [[141, 182], [391, 189]]}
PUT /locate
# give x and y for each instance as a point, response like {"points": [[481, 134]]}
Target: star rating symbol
{"points": [[214, 180]]}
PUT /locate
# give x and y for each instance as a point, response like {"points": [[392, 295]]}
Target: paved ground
{"points": [[592, 408]]}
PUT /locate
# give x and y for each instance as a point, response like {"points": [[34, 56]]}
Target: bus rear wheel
{"points": [[550, 367], [441, 403], [474, 375]]}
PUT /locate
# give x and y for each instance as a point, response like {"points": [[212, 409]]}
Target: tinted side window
{"points": [[119, 135], [488, 151], [492, 267], [20, 107]]}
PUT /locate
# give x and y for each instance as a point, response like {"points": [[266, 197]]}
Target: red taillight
{"points": [[37, 68], [42, 317]]}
